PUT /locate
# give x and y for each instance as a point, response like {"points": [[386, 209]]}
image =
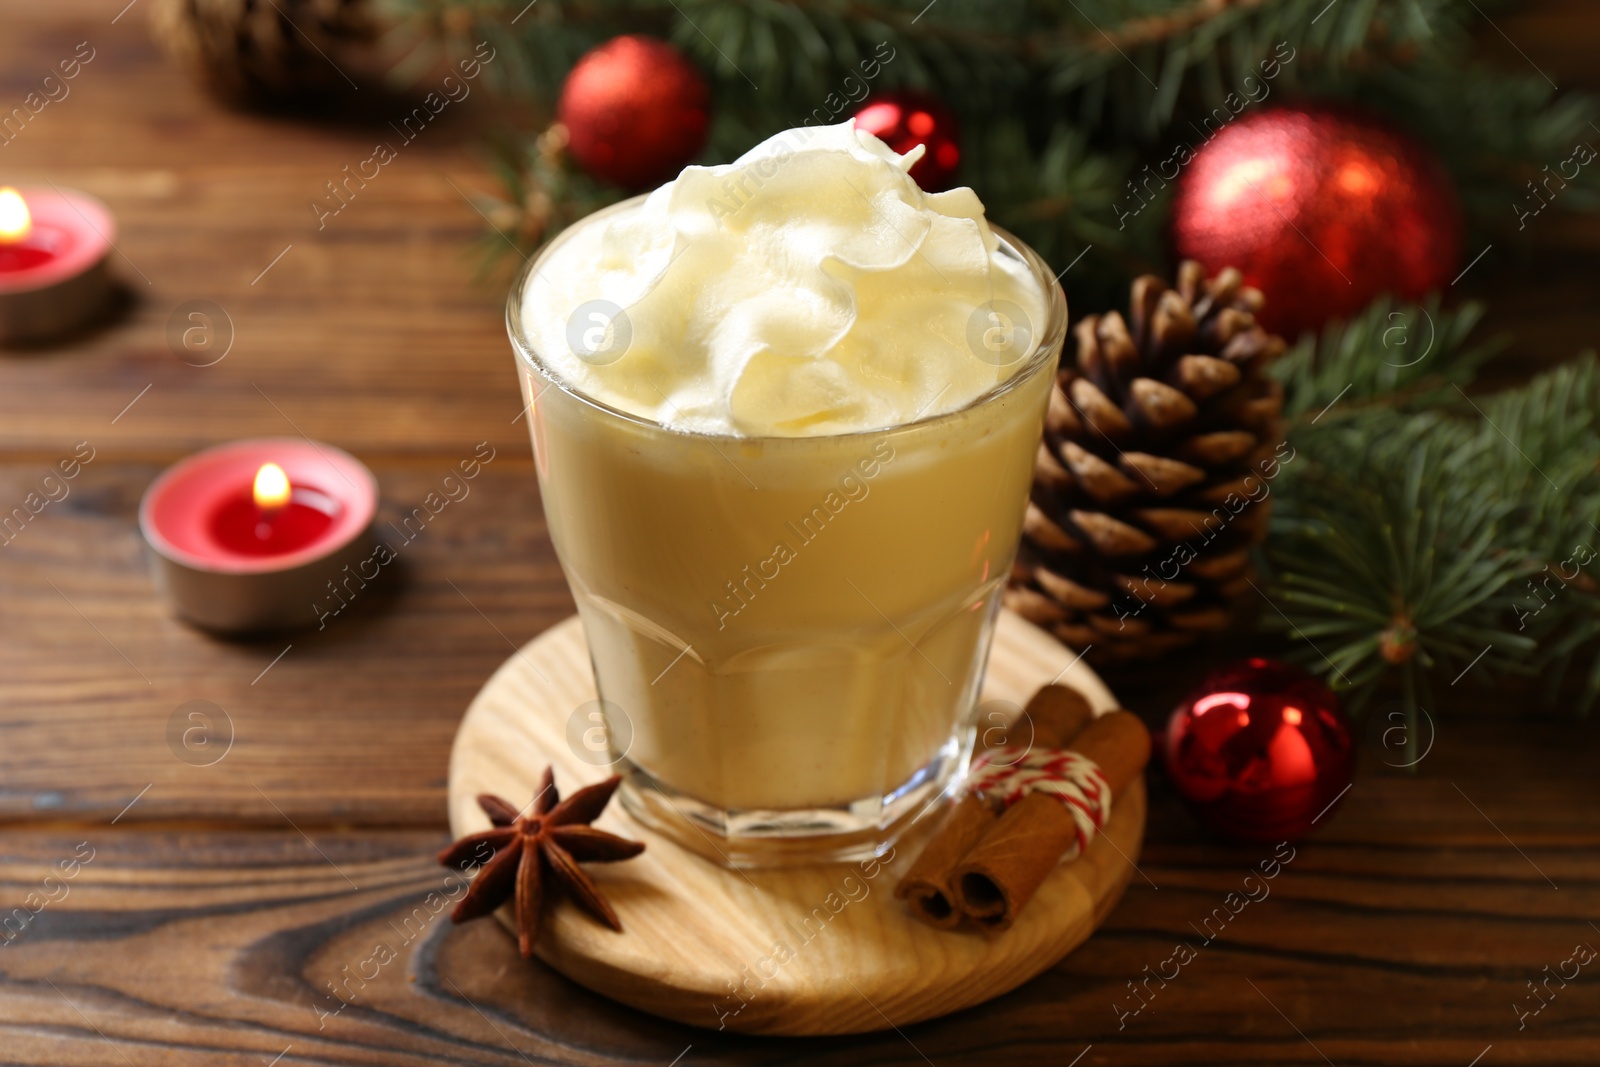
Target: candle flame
{"points": [[271, 489], [15, 220]]}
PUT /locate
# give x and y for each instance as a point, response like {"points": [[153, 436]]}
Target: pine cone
{"points": [[1153, 479], [284, 52]]}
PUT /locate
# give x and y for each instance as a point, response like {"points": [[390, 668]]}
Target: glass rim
{"points": [[1049, 340]]}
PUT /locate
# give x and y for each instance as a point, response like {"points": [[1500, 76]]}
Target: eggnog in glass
{"points": [[784, 415]]}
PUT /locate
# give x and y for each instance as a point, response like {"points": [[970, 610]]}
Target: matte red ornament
{"points": [[636, 111], [1260, 751], [903, 119], [1322, 209]]}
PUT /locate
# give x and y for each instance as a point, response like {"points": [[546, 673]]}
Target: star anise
{"points": [[537, 847]]}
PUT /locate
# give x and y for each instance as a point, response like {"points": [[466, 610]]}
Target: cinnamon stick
{"points": [[926, 886], [1019, 850], [1057, 714]]}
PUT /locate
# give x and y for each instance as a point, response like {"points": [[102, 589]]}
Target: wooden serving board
{"points": [[799, 950]]}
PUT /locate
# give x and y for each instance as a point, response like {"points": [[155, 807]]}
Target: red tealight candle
{"points": [[248, 536], [273, 517], [53, 250]]}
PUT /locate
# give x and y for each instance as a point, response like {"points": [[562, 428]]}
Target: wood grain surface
{"points": [[221, 900], [698, 939]]}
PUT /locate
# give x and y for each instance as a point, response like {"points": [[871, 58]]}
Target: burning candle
{"points": [[274, 517], [250, 536], [53, 250]]}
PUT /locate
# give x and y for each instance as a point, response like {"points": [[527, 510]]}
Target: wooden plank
{"points": [[190, 947], [1553, 38], [370, 329], [352, 724], [1550, 321]]}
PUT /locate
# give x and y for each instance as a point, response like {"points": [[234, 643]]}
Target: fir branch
{"points": [[1400, 355], [1383, 557], [1190, 59], [542, 196], [536, 44], [1439, 539]]}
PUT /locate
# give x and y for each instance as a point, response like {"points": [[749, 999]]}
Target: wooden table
{"points": [[211, 906]]}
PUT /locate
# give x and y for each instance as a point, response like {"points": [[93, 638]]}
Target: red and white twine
{"points": [[1011, 773]]}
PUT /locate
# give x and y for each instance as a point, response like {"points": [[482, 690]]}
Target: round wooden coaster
{"points": [[800, 950]]}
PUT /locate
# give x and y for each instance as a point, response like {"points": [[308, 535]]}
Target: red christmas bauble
{"points": [[904, 119], [1322, 210], [635, 110], [1260, 751]]}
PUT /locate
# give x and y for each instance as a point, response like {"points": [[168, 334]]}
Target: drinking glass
{"points": [[789, 634]]}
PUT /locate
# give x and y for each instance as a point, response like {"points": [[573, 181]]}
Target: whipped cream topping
{"points": [[808, 288]]}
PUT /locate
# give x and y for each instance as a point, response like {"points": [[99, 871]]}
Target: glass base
{"points": [[845, 833]]}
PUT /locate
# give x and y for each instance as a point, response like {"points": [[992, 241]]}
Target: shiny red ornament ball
{"points": [[635, 110], [904, 119], [1260, 751], [1322, 210]]}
